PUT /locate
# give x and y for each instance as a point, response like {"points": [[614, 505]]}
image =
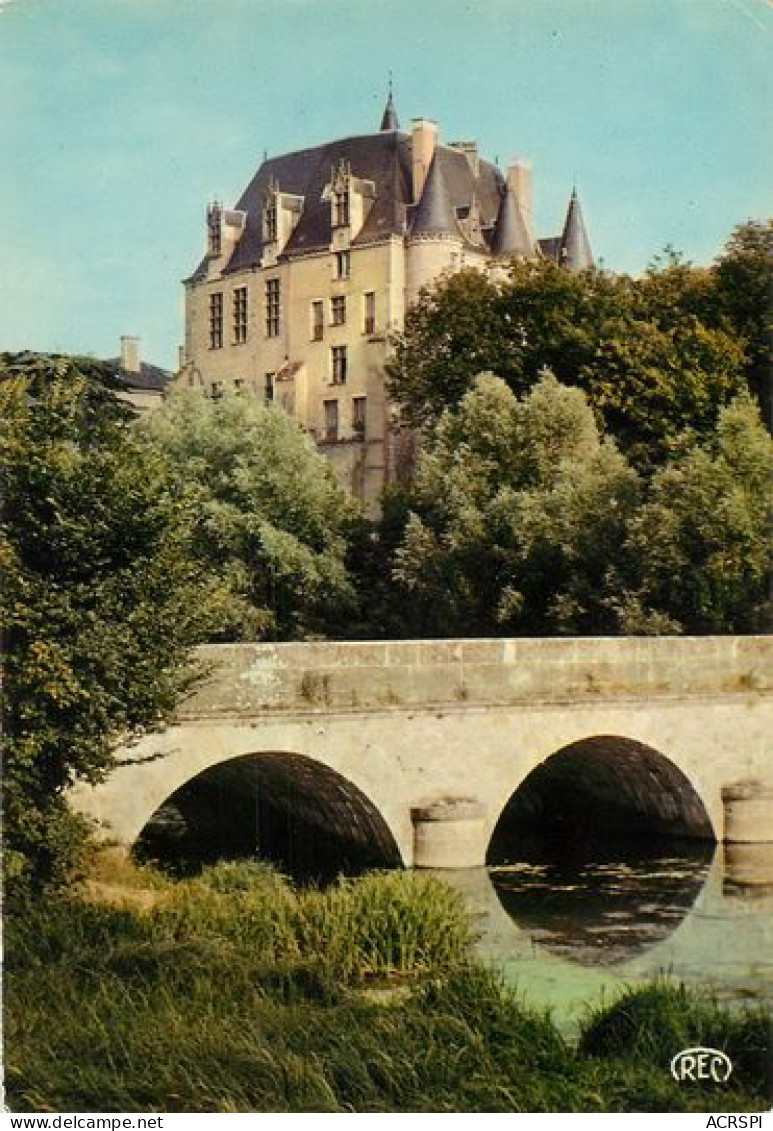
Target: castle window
{"points": [[240, 315], [338, 310], [339, 364], [272, 308], [369, 310], [238, 384], [317, 321], [343, 264], [359, 416], [331, 420], [217, 390], [341, 208], [268, 393], [216, 320], [214, 230], [270, 219]]}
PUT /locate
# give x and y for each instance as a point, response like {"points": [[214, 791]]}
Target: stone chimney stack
{"points": [[130, 353], [520, 180], [423, 142]]}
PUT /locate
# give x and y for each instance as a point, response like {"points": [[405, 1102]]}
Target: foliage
{"points": [[701, 546], [271, 517], [380, 612], [653, 1023], [520, 513], [156, 1013], [744, 297], [652, 354], [381, 923], [101, 597], [525, 521]]}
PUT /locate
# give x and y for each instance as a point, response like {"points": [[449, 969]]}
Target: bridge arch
{"points": [[604, 787], [287, 807]]}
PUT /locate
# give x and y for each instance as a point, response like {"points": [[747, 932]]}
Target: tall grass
{"points": [[379, 924], [234, 992], [653, 1023]]}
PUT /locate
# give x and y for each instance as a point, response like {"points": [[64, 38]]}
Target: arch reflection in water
{"points": [[286, 808], [603, 912], [602, 850]]}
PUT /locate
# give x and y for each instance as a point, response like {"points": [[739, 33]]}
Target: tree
{"points": [[519, 515], [651, 354], [744, 294], [701, 546], [271, 519], [650, 383], [456, 330], [101, 603]]}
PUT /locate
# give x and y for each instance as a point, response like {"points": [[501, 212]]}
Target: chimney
{"points": [[423, 141], [520, 180], [130, 354]]}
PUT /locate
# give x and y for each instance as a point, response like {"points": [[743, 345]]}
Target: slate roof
{"points": [[383, 158], [572, 248], [575, 245], [389, 118], [435, 213], [151, 378], [511, 236], [551, 247]]}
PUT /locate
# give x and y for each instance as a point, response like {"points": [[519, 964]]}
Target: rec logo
{"points": [[701, 1064]]}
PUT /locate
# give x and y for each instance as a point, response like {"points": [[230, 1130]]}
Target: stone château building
{"points": [[304, 280]]}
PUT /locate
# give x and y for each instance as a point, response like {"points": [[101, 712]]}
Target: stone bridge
{"points": [[417, 748]]}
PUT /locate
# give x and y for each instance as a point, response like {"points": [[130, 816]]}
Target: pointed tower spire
{"points": [[575, 251], [389, 117], [435, 214], [511, 236]]}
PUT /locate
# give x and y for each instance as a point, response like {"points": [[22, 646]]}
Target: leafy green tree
{"points": [[519, 515], [702, 544], [456, 330], [651, 354], [101, 597], [672, 288], [651, 383], [744, 296], [271, 521]]}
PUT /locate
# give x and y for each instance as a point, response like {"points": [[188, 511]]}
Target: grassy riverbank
{"points": [[235, 992]]}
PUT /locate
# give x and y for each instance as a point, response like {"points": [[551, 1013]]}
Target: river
{"points": [[573, 934]]}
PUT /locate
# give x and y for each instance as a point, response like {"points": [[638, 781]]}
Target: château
{"points": [[305, 279]]}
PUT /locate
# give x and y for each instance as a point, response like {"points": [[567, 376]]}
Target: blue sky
{"points": [[120, 119]]}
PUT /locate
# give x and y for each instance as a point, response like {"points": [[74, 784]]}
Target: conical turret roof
{"points": [[435, 214], [575, 252], [389, 117], [511, 236]]}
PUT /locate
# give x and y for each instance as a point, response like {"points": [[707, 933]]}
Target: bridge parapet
{"points": [[255, 679]]}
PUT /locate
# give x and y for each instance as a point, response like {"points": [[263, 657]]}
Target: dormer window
{"points": [[270, 219], [341, 207], [340, 195], [214, 229], [350, 200], [280, 214]]}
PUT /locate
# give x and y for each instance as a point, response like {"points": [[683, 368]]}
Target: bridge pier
{"points": [[450, 833], [748, 811]]}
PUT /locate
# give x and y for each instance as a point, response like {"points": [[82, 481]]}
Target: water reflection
{"points": [[602, 912]]}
